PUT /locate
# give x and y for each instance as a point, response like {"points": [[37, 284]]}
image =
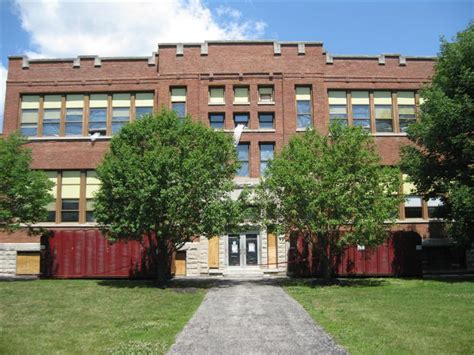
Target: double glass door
{"points": [[242, 249]]}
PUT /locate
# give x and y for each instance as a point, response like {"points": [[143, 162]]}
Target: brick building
{"points": [[276, 89]]}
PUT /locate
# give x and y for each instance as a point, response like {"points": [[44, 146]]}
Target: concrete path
{"points": [[252, 317]]}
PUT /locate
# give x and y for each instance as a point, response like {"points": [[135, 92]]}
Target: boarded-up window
{"points": [[27, 263]]}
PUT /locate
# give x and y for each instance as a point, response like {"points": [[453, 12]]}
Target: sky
{"points": [[66, 28]]}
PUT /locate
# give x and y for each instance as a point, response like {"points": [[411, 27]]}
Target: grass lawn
{"points": [[393, 316], [92, 316]]}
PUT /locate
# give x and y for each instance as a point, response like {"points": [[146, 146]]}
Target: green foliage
{"points": [[441, 163], [167, 178], [332, 187], [24, 193]]}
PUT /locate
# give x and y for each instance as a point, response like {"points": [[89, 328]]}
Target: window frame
{"points": [[273, 145], [217, 87], [210, 114], [310, 113], [265, 102], [247, 144]]}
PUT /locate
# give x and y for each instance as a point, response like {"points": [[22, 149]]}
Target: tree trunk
{"points": [[163, 262], [325, 255]]}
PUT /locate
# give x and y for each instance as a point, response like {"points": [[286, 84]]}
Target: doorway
{"points": [[243, 250]]}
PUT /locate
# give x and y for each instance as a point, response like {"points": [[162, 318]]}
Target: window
{"points": [[435, 208], [70, 196], [266, 154], [29, 115], [406, 109], [303, 107], [120, 111], [413, 207], [51, 115], [241, 118], [265, 95], [178, 101], [337, 107], [98, 113], [216, 120], [92, 186], [361, 109], [266, 119], [143, 104], [243, 158], [51, 207], [216, 96], [74, 115], [383, 111], [241, 95]]}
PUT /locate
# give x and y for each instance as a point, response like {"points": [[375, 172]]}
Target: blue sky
{"points": [[68, 28]]}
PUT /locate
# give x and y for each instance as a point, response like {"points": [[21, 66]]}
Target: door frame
{"points": [[243, 250]]}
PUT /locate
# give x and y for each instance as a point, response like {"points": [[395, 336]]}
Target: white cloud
{"points": [[68, 28], [3, 81]]}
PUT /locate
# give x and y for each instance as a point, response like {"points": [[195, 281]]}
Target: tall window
{"points": [[70, 196], [74, 115], [435, 207], [216, 120], [29, 115], [361, 109], [383, 111], [92, 185], [413, 207], [143, 104], [51, 115], [216, 96], [51, 207], [266, 119], [266, 154], [406, 109], [178, 101], [241, 118], [337, 107], [243, 158], [265, 95], [98, 113], [303, 107], [120, 111], [241, 95]]}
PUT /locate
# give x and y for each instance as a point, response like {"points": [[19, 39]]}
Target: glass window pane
{"points": [[52, 114], [73, 129], [241, 118], [383, 125], [67, 204], [179, 108], [98, 115], [51, 129], [244, 169], [362, 123], [29, 116], [28, 130], [263, 167], [142, 111], [116, 126], [303, 106], [266, 120], [360, 111], [120, 113], [90, 216], [51, 216], [216, 120], [338, 110], [74, 115], [69, 216], [413, 212], [243, 152], [304, 121], [383, 111], [266, 151]]}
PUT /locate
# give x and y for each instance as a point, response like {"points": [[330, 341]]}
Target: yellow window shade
{"points": [[216, 95], [382, 98], [71, 177], [121, 100], [241, 95], [178, 95], [144, 99], [98, 100], [75, 101], [30, 102], [406, 110], [360, 98], [52, 101], [51, 206], [406, 97], [303, 93], [52, 114], [337, 98], [29, 116], [71, 191], [53, 177], [408, 187], [92, 184]]}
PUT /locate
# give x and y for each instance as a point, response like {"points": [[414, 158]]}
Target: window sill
{"points": [[266, 103], [68, 138], [303, 129], [216, 104], [241, 103], [63, 225], [248, 130]]}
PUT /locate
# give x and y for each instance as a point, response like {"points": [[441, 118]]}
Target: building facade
{"points": [[70, 108]]}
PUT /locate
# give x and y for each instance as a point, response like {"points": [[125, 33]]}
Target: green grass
{"points": [[393, 316], [92, 316]]}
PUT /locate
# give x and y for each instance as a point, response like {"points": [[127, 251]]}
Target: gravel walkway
{"points": [[252, 317]]}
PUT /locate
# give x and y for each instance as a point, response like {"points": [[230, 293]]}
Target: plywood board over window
{"points": [[213, 253], [27, 263]]}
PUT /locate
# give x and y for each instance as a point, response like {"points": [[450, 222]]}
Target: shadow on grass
{"points": [[450, 278], [355, 282]]}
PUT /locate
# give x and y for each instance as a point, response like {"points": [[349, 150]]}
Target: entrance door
{"points": [[234, 250], [251, 247], [242, 249]]}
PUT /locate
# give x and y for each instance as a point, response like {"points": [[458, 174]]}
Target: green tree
{"points": [[24, 193], [168, 179], [441, 161], [332, 190]]}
